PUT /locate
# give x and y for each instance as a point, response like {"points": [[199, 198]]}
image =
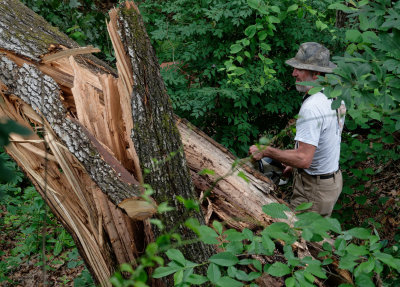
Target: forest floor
{"points": [[66, 269], [378, 204]]}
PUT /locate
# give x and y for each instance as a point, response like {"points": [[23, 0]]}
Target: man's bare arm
{"points": [[299, 158]]}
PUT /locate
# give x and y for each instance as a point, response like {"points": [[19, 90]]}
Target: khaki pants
{"points": [[323, 193]]}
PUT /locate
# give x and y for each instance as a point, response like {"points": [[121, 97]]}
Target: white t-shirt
{"points": [[321, 127]]}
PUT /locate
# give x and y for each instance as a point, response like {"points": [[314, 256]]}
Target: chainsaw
{"points": [[272, 169]]}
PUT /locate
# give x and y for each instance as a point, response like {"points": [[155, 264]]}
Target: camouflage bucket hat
{"points": [[312, 56]]}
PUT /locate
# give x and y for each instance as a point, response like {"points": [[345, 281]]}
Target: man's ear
{"points": [[315, 75]]}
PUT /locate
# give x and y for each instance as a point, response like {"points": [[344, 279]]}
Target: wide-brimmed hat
{"points": [[312, 56]]}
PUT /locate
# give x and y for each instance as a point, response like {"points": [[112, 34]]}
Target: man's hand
{"points": [[287, 171], [257, 152]]}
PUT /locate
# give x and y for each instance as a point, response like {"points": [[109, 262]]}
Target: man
{"points": [[317, 177]]}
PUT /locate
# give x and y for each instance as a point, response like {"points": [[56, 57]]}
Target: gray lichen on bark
{"points": [[30, 85], [27, 34]]}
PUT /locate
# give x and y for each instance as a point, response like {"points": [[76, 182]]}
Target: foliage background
{"points": [[229, 78]]}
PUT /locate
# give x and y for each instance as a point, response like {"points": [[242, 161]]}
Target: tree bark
{"points": [[154, 134], [105, 133], [341, 19]]}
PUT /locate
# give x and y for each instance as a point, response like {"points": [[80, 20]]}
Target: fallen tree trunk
{"points": [[100, 129]]}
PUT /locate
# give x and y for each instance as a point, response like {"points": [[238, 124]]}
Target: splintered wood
{"points": [[64, 194]]}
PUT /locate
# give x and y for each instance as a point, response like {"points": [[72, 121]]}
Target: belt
{"points": [[321, 176]]}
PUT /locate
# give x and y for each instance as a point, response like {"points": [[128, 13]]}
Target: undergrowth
{"points": [[23, 213]]}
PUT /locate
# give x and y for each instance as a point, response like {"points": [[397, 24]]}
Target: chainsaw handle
{"points": [[260, 166]]}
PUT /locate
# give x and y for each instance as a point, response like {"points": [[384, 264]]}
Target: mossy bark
{"points": [[27, 34]]}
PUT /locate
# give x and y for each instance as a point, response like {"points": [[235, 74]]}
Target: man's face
{"points": [[303, 76]]}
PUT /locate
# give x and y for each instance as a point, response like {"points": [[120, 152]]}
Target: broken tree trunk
{"points": [[100, 129], [154, 134]]}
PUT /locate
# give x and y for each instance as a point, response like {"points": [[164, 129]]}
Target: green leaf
{"points": [[207, 235], [278, 269], [254, 3], [309, 277], [255, 262], [373, 239], [290, 282], [356, 250], [327, 261], [125, 267], [320, 25], [315, 90], [280, 230], [304, 206], [275, 9], [307, 234], [264, 141], [241, 275], [240, 71], [213, 273], [165, 271], [276, 210], [267, 243], [265, 47], [364, 280], [315, 268], [178, 276], [353, 36], [245, 42], [358, 232], [347, 262], [242, 175], [253, 275], [236, 48], [262, 35], [229, 282], [334, 225], [369, 37], [177, 256], [273, 19], [365, 267], [235, 247], [57, 248], [250, 31], [339, 6], [248, 234], [196, 279], [293, 7], [157, 223], [72, 264], [74, 4], [388, 259], [190, 204], [224, 259], [164, 207], [218, 226], [233, 235], [207, 171]]}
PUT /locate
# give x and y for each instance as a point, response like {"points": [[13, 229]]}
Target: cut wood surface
{"points": [[104, 128]]}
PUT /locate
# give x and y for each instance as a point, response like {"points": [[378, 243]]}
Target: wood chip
{"points": [[69, 52]]}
